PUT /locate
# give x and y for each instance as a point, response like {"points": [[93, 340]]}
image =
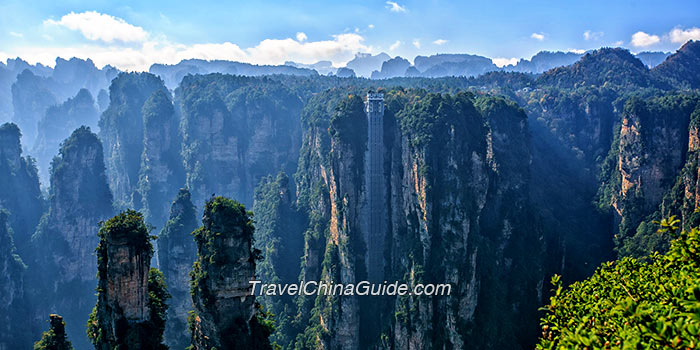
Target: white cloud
{"points": [[370, 26], [149, 49], [577, 51], [642, 39], [537, 36], [440, 42], [502, 62], [681, 36], [97, 26], [395, 45], [340, 49], [416, 43], [618, 43], [394, 7], [590, 35], [17, 35]]}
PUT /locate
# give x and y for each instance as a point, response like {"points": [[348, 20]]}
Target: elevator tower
{"points": [[374, 181]]}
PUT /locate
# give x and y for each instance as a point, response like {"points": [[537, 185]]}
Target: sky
{"points": [[134, 35]]}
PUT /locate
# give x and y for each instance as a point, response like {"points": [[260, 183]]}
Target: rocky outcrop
{"points": [[130, 310], [235, 131], [57, 124], [176, 254], [20, 194], [395, 67], [161, 171], [55, 338], [62, 279], [122, 132], [225, 314]]}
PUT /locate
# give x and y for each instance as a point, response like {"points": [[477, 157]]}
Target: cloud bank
{"points": [[113, 41], [99, 26]]}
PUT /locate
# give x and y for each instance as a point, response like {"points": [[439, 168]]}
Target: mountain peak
{"points": [[681, 67]]}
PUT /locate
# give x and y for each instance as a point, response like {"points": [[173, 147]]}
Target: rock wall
{"points": [[20, 194], [176, 254], [225, 314]]}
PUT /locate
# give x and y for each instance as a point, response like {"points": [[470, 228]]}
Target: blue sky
{"points": [[132, 35]]}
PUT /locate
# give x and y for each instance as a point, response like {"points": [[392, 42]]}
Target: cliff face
{"points": [[235, 131], [176, 254], [20, 194], [457, 189], [161, 165], [58, 123], [31, 96], [12, 303], [652, 149], [279, 230], [122, 132], [225, 314], [459, 199], [582, 121], [126, 315], [65, 240]]}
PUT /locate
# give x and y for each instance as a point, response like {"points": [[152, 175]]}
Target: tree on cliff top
{"points": [[55, 338]]}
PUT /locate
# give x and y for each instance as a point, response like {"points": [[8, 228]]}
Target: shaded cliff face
{"points": [[176, 254], [58, 123], [235, 131], [278, 235], [225, 314], [460, 215], [457, 179], [581, 120], [65, 240], [122, 132], [130, 310], [13, 335], [161, 171], [645, 161], [20, 194], [31, 96]]}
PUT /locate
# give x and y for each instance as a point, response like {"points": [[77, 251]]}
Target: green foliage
{"points": [[55, 338], [157, 302], [630, 304], [128, 225], [603, 67]]}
